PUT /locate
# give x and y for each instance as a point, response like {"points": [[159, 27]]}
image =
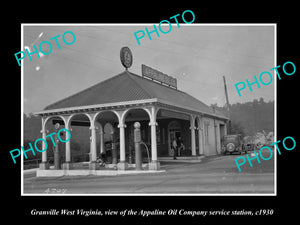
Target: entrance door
{"points": [[174, 131]]}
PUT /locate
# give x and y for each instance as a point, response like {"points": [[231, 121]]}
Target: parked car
{"points": [[233, 143], [249, 143]]}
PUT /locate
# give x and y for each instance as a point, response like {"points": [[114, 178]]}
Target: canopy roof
{"points": [[128, 87]]}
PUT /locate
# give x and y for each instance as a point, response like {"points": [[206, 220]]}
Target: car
{"points": [[249, 143], [233, 143]]}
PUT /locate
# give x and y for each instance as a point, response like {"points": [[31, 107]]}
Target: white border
{"points": [[275, 110], [22, 112], [147, 24]]}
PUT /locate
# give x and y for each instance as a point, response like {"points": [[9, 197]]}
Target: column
{"points": [[68, 148], [93, 161], [193, 140], [44, 153], [193, 137], [101, 136], [153, 141], [44, 165], [200, 137], [114, 153], [201, 141], [154, 165], [67, 165], [102, 150], [122, 165]]}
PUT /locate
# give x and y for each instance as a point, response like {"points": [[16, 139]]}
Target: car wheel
{"points": [[230, 147]]}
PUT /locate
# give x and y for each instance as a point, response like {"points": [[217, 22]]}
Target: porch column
{"points": [[153, 141], [93, 164], [68, 143], [122, 165], [44, 153], [101, 136], [154, 164], [193, 141], [193, 137], [67, 165], [44, 165], [200, 138], [101, 141], [68, 148]]}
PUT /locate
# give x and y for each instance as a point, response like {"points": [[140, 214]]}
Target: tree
{"points": [[237, 128], [250, 117]]}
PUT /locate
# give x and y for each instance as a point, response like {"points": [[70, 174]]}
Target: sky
{"points": [[197, 55]]}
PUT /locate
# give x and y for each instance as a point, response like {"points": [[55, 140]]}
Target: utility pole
{"points": [[227, 106], [226, 94]]}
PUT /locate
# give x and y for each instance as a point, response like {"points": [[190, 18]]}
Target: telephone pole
{"points": [[227, 106], [226, 94]]}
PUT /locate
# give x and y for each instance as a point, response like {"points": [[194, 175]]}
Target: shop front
{"points": [[165, 113]]}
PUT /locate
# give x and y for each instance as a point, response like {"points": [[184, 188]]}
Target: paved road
{"points": [[217, 174]]}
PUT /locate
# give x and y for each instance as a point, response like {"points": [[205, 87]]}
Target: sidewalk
{"points": [[216, 174], [84, 171], [185, 159]]}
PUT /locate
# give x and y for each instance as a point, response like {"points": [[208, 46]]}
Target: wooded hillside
{"points": [[250, 117]]}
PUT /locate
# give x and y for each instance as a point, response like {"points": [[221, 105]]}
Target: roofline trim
{"points": [[143, 101], [134, 102], [192, 109]]}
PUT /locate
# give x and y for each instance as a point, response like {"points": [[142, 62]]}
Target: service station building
{"points": [[152, 99]]}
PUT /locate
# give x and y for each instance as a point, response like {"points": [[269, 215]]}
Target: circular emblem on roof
{"points": [[126, 57]]}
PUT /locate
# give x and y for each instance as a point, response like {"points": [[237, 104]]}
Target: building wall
{"points": [[209, 137], [214, 130]]}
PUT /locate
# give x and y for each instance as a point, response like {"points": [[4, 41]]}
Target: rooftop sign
{"points": [[126, 57], [159, 76]]}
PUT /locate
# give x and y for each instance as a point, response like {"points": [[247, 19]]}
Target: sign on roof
{"points": [[159, 76]]}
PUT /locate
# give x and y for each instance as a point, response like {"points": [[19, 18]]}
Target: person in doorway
{"points": [[180, 145], [174, 147]]}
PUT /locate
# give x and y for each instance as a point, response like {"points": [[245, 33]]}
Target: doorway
{"points": [[172, 135], [174, 131]]}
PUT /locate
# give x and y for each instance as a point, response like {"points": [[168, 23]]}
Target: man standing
{"points": [[174, 147], [180, 145]]}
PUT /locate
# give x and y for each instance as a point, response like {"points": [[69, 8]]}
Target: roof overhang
{"points": [[191, 110], [125, 104], [106, 106]]}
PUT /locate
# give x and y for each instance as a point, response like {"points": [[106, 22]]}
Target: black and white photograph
{"points": [[132, 114], [160, 118]]}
